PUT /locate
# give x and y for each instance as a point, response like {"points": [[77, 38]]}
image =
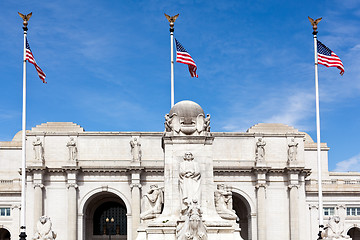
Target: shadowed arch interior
{"points": [[101, 206], [4, 234], [354, 233], [242, 210]]}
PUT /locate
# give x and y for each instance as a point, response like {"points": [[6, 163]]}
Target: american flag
{"points": [[328, 58], [30, 58], [182, 56]]}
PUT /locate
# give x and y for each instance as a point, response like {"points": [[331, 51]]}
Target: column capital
{"points": [[72, 185], [38, 185], [260, 185], [137, 185], [290, 186], [313, 206]]}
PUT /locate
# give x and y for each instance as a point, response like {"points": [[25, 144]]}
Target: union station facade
{"points": [[255, 185]]}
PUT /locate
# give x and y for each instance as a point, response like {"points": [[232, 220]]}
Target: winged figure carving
{"points": [[171, 19], [25, 18], [314, 23]]}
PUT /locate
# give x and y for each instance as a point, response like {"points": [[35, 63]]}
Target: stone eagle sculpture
{"points": [[314, 23], [25, 18], [44, 229]]}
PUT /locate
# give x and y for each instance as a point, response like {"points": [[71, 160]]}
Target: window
{"points": [[353, 211], [329, 211], [5, 212]]}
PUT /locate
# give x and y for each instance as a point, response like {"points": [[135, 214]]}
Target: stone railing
{"points": [[334, 181], [7, 185], [334, 185]]}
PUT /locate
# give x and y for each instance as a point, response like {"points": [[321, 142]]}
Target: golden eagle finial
{"points": [[25, 18], [314, 23], [171, 19]]}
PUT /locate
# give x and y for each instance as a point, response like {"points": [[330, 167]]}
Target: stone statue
{"points": [[292, 151], [135, 150], [202, 123], [190, 179], [172, 123], [260, 150], [207, 123], [44, 231], [223, 203], [152, 202], [334, 229], [39, 150], [193, 227], [72, 149]]}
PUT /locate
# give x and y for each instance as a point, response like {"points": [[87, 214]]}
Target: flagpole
{"points": [[172, 64], [23, 165], [320, 194], [172, 21]]}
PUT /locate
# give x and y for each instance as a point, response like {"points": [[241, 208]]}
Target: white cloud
{"points": [[352, 164], [294, 110]]}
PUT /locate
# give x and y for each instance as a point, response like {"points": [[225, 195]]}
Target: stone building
{"points": [[186, 181]]}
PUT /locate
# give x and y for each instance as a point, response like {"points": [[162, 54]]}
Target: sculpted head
{"points": [[188, 156], [43, 219], [336, 219], [154, 186]]}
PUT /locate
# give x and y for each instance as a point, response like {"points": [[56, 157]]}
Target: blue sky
{"points": [[108, 68]]}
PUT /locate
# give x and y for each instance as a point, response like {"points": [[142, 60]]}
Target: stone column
{"points": [[38, 174], [72, 211], [314, 223], [135, 201], [72, 202], [261, 202], [38, 201], [293, 176], [294, 212], [261, 211]]}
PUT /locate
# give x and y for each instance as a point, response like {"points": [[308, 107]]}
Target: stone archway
{"points": [[4, 234], [354, 233], [100, 207], [242, 209]]}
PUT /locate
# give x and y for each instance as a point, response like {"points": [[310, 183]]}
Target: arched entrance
{"points": [[242, 209], [354, 233], [105, 215], [4, 234]]}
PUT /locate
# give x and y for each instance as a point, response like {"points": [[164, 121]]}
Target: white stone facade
{"points": [[274, 199]]}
